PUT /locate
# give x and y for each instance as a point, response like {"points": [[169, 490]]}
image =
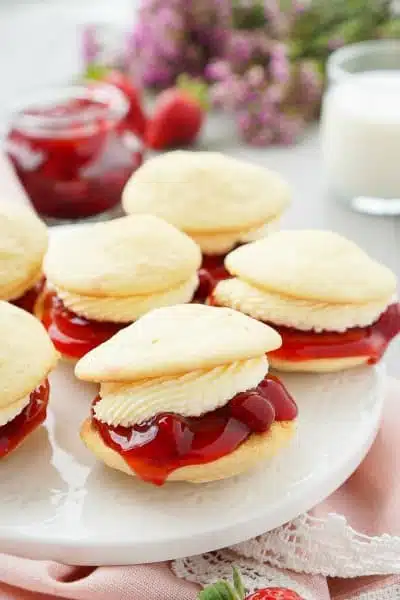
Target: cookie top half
{"points": [[26, 353], [23, 243], [134, 255], [206, 192], [175, 340], [312, 265]]}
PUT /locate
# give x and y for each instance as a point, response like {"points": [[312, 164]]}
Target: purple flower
{"points": [[218, 70], [255, 76], [240, 48], [279, 70], [275, 93], [179, 36]]}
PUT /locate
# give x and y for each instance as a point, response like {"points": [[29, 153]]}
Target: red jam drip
{"points": [[33, 415], [76, 160], [28, 300], [212, 271], [157, 447], [371, 341], [72, 335]]}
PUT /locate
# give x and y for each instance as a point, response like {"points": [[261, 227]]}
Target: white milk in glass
{"points": [[360, 133]]}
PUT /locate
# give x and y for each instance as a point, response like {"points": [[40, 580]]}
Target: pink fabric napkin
{"points": [[369, 501]]}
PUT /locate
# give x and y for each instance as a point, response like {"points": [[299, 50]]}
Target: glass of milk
{"points": [[360, 126]]}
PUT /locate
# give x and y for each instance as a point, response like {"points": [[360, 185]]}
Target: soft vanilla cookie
{"points": [[255, 450], [320, 285], [220, 201], [187, 388], [313, 265], [26, 358], [128, 257], [177, 339], [103, 277], [23, 243]]}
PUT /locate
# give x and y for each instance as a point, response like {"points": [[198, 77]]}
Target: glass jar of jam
{"points": [[73, 150]]}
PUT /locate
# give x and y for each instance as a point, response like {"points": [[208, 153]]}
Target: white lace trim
{"points": [[391, 592], [327, 547], [209, 568]]}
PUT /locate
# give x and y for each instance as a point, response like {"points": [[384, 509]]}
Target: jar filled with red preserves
{"points": [[73, 150]]}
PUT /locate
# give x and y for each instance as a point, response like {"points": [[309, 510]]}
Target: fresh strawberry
{"points": [[135, 118], [274, 594], [178, 116], [223, 590]]}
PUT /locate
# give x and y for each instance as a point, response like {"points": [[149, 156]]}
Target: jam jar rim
{"points": [[115, 107]]}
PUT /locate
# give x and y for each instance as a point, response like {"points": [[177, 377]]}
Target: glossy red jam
{"points": [[72, 335], [212, 271], [73, 150], [168, 441], [28, 300], [33, 415], [369, 341]]}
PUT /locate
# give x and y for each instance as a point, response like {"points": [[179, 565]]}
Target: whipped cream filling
{"points": [[128, 309], [190, 395], [305, 315], [9, 413], [221, 243]]}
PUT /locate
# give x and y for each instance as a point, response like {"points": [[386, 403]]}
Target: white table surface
{"points": [[39, 46]]}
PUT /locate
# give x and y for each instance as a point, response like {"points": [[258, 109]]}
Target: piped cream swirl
{"points": [[128, 309], [305, 315], [191, 394]]}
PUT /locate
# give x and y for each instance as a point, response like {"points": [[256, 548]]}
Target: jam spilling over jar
{"points": [[73, 150], [157, 447]]}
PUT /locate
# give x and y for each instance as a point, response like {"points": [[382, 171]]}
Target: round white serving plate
{"points": [[58, 503]]}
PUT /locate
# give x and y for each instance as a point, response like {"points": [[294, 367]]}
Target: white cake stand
{"points": [[58, 503]]}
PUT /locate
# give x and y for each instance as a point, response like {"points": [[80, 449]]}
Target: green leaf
{"points": [[390, 29], [95, 71], [196, 88], [238, 583], [248, 16], [221, 590]]}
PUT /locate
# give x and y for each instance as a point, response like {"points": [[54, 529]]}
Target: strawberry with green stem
{"points": [[178, 115], [224, 590]]}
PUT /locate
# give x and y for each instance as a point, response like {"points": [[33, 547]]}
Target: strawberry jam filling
{"points": [[28, 300], [212, 271], [72, 335], [33, 415], [158, 446], [371, 341]]}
